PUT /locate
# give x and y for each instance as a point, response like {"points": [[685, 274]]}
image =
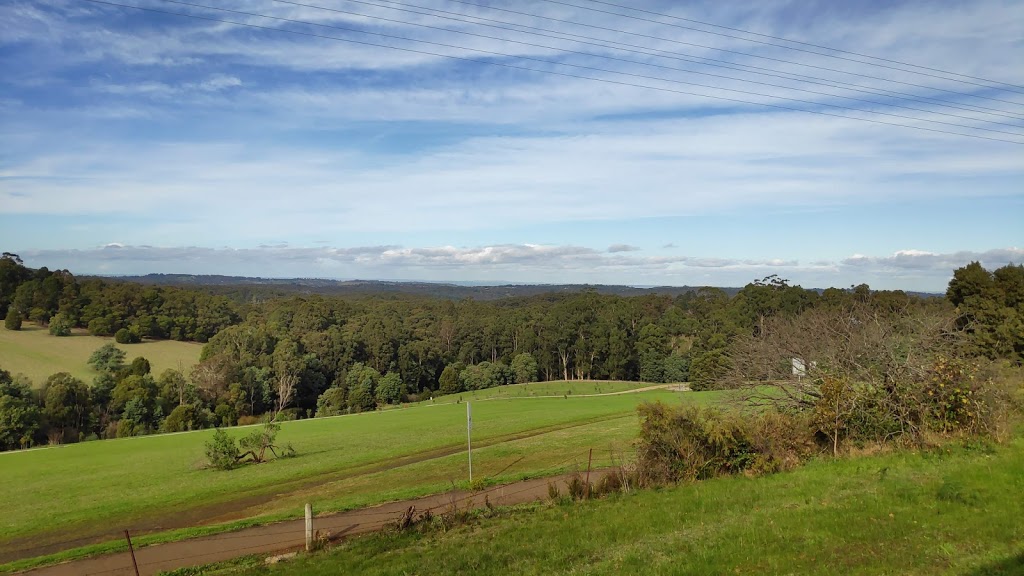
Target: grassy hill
{"points": [[942, 511], [343, 462], [33, 352]]}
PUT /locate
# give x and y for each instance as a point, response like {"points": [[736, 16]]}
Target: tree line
{"points": [[342, 355]]}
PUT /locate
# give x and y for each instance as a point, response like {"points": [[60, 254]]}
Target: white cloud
{"points": [[523, 262]]}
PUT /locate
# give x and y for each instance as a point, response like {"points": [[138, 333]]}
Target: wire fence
{"points": [[291, 534]]}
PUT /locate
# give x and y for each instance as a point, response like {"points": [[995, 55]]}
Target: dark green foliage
{"points": [[67, 407], [183, 418], [450, 382], [126, 336], [524, 368], [991, 306], [13, 320], [391, 389], [20, 418], [332, 402]]}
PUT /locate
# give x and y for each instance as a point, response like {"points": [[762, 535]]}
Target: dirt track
{"points": [[288, 536]]}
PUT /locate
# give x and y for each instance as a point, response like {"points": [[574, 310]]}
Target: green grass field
{"points": [[949, 511], [33, 352], [541, 389], [343, 462]]}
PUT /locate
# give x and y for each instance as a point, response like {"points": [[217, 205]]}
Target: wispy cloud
{"points": [[158, 130]]}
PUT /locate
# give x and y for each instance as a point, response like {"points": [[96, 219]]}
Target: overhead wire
{"points": [[680, 18], [748, 54], [766, 43], [648, 51], [627, 60], [578, 76]]}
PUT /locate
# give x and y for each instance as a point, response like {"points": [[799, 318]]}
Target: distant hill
{"points": [[246, 287], [272, 286]]}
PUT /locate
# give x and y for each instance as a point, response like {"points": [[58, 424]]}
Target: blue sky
{"points": [[136, 142]]}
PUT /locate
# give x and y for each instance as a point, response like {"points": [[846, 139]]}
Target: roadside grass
{"points": [[32, 351], [951, 510], [100, 488]]}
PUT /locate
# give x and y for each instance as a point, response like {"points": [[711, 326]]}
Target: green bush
{"points": [[126, 336], [60, 325], [222, 451], [13, 320]]}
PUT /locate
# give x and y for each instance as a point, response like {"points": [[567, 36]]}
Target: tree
{"points": [[66, 405], [524, 368], [857, 370], [332, 402], [126, 336], [19, 415], [391, 389], [285, 391], [60, 325], [107, 359], [362, 387], [991, 307], [450, 383], [222, 450], [13, 320], [183, 418]]}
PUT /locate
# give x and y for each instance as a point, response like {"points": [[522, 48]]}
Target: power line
{"points": [[680, 18], [597, 69], [551, 72], [748, 54], [638, 62], [766, 43], [637, 49]]}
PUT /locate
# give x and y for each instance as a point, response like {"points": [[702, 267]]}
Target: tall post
{"points": [[309, 527], [589, 460], [132, 550], [469, 439]]}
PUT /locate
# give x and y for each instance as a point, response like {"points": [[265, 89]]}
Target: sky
{"points": [[541, 141]]}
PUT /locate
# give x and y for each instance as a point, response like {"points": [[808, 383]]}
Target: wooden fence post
{"points": [[309, 527], [132, 550], [589, 460]]}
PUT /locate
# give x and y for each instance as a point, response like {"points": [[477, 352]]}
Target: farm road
{"points": [[289, 536]]}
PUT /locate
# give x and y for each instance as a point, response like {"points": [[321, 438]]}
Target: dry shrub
{"points": [[611, 483], [686, 443], [554, 494], [577, 486], [248, 420]]}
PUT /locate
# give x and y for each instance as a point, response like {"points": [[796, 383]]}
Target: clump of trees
{"points": [[857, 368], [128, 311]]}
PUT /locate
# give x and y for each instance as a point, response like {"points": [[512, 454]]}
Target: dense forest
{"points": [[300, 356]]}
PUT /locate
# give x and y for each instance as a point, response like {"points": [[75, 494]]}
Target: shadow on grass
{"points": [[1012, 566]]}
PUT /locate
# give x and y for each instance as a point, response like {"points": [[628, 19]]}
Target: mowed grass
{"points": [[33, 352], [948, 511], [144, 483], [542, 389]]}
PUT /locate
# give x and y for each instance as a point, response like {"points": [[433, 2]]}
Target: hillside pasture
{"points": [[542, 389], [155, 483], [952, 510], [32, 351]]}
